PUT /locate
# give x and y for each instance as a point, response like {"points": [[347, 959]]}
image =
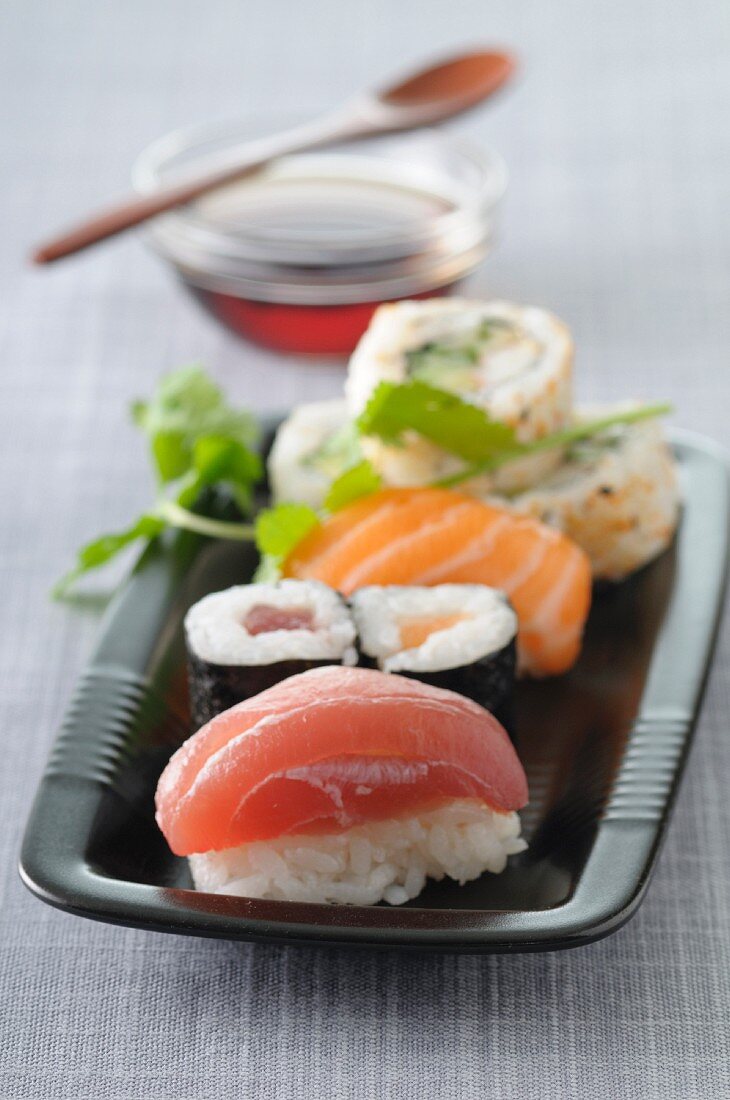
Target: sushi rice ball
{"points": [[344, 785]]}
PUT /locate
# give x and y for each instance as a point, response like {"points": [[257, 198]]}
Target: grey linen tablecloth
{"points": [[617, 218]]}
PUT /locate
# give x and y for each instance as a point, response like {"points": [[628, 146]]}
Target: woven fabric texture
{"points": [[617, 218]]}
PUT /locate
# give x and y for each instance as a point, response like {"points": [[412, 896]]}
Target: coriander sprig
{"points": [[197, 441], [555, 440]]}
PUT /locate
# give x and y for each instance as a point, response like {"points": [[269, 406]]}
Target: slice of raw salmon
{"points": [[435, 536], [330, 749]]}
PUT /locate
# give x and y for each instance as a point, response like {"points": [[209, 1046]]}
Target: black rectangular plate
{"points": [[604, 748]]}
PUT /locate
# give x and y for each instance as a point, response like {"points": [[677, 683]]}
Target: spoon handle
{"points": [[430, 95], [247, 160]]}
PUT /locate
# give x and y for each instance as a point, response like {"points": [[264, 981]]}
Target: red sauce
{"points": [[262, 619], [328, 330]]}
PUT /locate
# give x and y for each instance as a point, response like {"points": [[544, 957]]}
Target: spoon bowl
{"points": [[451, 86]]}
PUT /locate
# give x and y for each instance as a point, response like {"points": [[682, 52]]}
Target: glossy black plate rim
{"points": [[53, 862]]}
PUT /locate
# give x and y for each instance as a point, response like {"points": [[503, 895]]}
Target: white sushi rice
{"points": [[524, 379], [616, 495], [215, 631], [295, 473], [383, 861], [379, 611]]}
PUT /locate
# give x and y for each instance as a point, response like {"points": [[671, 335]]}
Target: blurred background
{"points": [[617, 148]]}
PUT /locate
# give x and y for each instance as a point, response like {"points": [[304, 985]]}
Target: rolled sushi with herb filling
{"points": [[513, 361], [343, 785], [455, 636], [615, 494], [249, 637], [312, 447]]}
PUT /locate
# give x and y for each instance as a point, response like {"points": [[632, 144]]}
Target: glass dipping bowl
{"points": [[298, 256]]}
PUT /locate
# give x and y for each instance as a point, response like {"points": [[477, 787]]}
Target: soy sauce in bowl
{"points": [[298, 256]]}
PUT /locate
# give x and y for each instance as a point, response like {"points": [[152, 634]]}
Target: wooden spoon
{"points": [[430, 95]]}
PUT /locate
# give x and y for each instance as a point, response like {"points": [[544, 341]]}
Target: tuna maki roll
{"points": [[455, 636], [247, 638]]}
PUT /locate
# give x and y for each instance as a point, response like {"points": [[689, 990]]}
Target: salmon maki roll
{"points": [[456, 636], [436, 536], [345, 785]]}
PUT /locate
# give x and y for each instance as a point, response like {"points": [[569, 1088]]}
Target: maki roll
{"points": [[247, 638], [311, 448], [343, 785], [455, 636], [615, 494], [513, 361]]}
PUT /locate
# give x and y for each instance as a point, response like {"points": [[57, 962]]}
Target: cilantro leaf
{"points": [[268, 570], [563, 438], [358, 481], [444, 418], [280, 529], [187, 405], [106, 547], [197, 441], [218, 460]]}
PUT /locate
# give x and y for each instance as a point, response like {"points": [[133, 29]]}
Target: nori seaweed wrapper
{"points": [[214, 688], [489, 681]]}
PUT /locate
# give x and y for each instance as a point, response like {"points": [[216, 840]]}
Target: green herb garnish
{"points": [[187, 405], [453, 424], [564, 438], [468, 432], [278, 531], [358, 481], [198, 441]]}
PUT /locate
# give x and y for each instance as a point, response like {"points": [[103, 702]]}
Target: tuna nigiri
{"points": [[435, 536], [343, 784]]}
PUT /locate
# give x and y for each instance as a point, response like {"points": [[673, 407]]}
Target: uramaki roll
{"points": [[616, 495], [514, 361]]}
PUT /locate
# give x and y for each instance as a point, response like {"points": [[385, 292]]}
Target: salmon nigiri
{"points": [[434, 536], [343, 784]]}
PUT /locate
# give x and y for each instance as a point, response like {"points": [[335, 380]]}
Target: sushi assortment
{"points": [[351, 713], [614, 493], [437, 536]]}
